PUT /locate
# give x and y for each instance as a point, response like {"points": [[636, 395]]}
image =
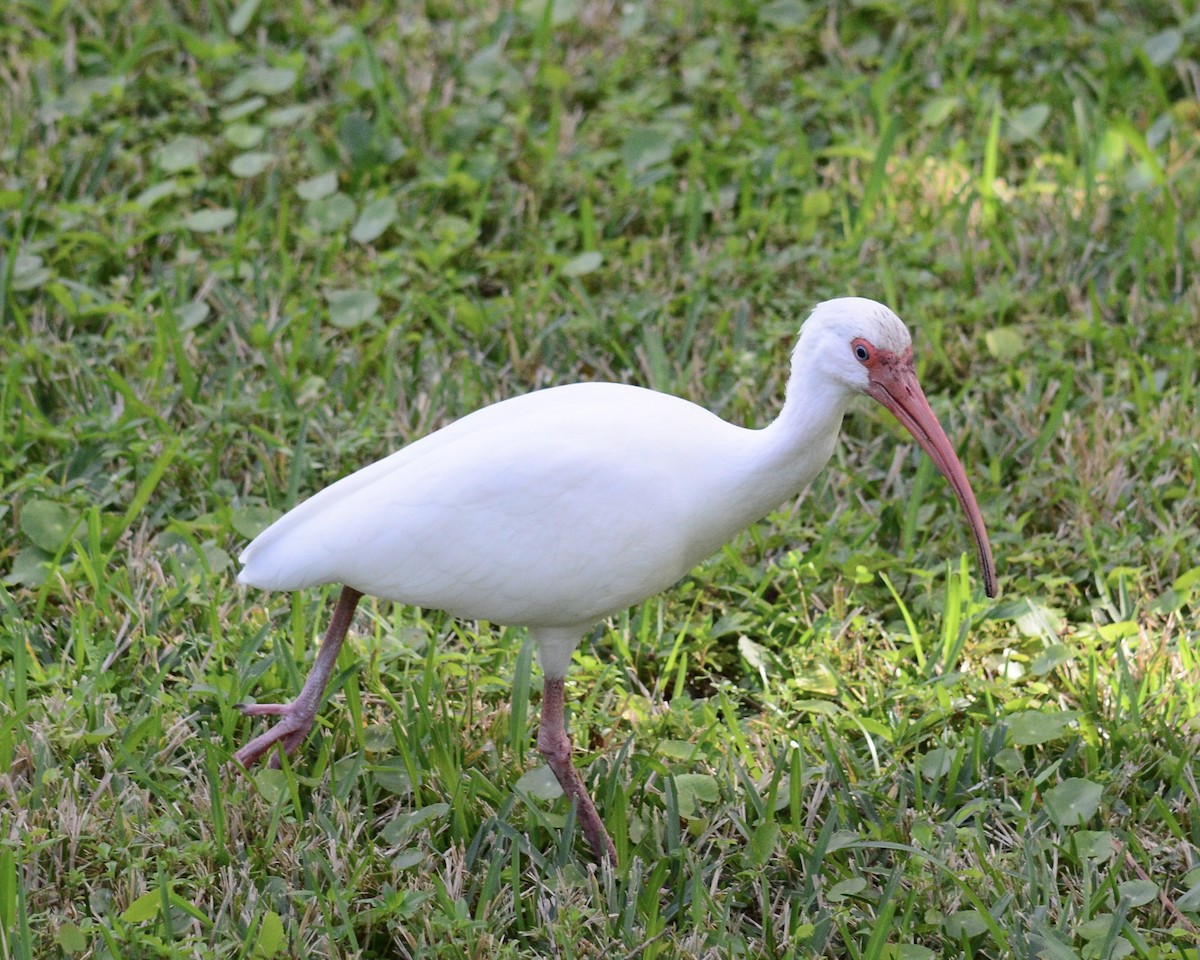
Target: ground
{"points": [[248, 248]]}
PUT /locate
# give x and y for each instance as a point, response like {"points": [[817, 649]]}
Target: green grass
{"points": [[245, 249]]}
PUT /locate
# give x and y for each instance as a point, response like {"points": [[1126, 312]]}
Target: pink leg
{"points": [[555, 746], [296, 718]]}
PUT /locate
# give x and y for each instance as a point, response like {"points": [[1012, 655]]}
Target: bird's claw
{"points": [[289, 731]]}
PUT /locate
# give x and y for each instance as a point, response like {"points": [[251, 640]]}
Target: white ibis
{"points": [[556, 509]]}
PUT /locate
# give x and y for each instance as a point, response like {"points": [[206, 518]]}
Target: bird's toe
{"points": [[264, 709]]}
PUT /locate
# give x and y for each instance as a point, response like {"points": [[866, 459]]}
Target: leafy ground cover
{"points": [[249, 247]]}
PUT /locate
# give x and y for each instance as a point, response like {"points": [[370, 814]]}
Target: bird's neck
{"points": [[752, 472], [796, 446]]}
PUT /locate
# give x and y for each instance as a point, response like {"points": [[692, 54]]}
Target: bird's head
{"points": [[865, 348], [853, 339]]}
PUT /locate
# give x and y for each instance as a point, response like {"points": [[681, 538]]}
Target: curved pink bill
{"points": [[894, 384]]}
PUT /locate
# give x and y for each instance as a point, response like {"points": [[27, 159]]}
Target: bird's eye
{"points": [[862, 352]]}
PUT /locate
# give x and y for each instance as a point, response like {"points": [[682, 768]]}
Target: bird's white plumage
{"points": [[559, 507]]}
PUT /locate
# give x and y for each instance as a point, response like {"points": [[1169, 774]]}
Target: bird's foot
{"points": [[593, 828], [557, 752], [585, 811], [289, 731]]}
